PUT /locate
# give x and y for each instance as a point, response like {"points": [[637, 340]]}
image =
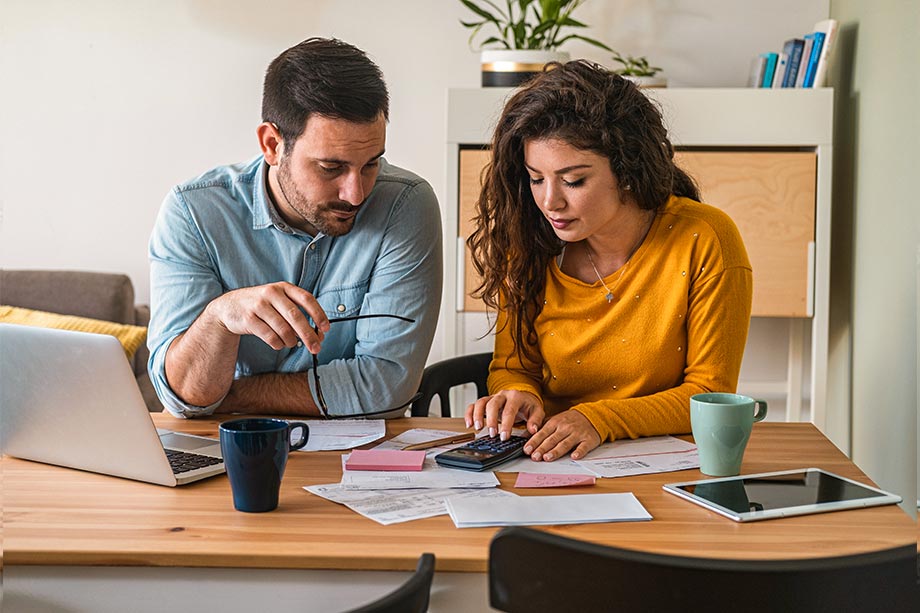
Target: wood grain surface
{"points": [[58, 516]]}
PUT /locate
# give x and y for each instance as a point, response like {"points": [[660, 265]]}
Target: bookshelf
{"points": [[763, 155]]}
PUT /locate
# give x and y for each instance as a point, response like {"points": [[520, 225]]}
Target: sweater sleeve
{"points": [[718, 318]]}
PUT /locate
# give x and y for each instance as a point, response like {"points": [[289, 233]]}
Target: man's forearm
{"points": [[271, 393], [201, 362]]}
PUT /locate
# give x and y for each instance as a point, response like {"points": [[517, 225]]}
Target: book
{"points": [[755, 78], [768, 70], [778, 74], [803, 63], [792, 48], [813, 55], [829, 27]]}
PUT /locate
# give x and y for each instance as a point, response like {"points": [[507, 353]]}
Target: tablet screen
{"points": [[782, 493]]}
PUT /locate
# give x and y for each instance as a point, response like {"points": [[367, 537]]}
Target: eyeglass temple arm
{"points": [[369, 316]]}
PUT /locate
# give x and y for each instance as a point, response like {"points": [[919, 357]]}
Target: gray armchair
{"points": [[105, 296]]}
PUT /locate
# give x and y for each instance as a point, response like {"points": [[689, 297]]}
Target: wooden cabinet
{"points": [[770, 195], [763, 156]]}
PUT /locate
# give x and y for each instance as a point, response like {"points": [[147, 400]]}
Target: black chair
{"points": [[530, 570], [440, 377], [411, 597]]}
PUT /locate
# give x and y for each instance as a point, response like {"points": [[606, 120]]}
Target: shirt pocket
{"points": [[342, 301]]}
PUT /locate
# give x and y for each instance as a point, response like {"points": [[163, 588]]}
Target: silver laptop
{"points": [[71, 399]]}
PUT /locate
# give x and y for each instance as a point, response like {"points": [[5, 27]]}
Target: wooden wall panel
{"points": [[472, 161], [770, 195]]}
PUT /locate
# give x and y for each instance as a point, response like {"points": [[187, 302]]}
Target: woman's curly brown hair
{"points": [[590, 108]]}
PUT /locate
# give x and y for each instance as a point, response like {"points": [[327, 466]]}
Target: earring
{"points": [[627, 188]]}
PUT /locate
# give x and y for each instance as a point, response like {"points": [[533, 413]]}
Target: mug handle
{"points": [[304, 434], [760, 411]]}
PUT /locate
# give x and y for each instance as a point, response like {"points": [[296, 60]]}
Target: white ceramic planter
{"points": [[510, 68]]}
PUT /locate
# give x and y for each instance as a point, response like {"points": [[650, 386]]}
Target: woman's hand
{"points": [[500, 411], [560, 434]]}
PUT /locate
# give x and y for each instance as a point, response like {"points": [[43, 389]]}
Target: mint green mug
{"points": [[721, 428]]}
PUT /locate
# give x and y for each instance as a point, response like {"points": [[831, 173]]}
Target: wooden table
{"points": [[65, 519]]}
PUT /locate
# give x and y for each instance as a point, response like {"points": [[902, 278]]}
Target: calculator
{"points": [[483, 453]]}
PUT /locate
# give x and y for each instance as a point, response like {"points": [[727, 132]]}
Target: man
{"points": [[253, 264]]}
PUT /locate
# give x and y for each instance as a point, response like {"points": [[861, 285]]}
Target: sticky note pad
{"points": [[539, 480], [385, 459]]}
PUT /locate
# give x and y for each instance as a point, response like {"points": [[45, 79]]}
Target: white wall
{"points": [[108, 103], [877, 233]]}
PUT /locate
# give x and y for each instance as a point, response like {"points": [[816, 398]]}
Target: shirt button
{"points": [[313, 247], [340, 308]]}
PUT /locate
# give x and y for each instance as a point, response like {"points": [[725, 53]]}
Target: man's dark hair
{"points": [[322, 76]]}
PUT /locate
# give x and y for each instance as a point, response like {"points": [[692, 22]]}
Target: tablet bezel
{"points": [[839, 505]]}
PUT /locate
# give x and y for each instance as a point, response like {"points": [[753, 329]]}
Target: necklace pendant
{"points": [[609, 297]]}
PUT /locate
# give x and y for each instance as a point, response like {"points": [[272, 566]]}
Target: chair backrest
{"points": [[532, 570], [440, 377], [411, 597]]}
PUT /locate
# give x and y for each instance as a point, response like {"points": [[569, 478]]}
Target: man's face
{"points": [[328, 173]]}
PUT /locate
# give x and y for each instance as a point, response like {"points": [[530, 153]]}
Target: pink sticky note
{"points": [[385, 459], [538, 480]]}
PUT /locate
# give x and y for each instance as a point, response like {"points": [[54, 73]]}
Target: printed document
{"points": [[656, 454], [397, 506], [337, 434], [420, 435], [546, 510]]}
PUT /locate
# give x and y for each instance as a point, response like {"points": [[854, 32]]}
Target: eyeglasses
{"points": [[323, 409]]}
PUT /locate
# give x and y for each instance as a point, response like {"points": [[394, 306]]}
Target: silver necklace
{"points": [[609, 295]]}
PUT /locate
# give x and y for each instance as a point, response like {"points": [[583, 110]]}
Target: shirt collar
{"points": [[265, 214]]}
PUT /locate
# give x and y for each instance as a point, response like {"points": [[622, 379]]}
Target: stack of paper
{"points": [[657, 454], [385, 460], [337, 434], [431, 476], [546, 510]]}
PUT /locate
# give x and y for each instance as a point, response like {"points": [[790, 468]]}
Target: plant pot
{"points": [[647, 81], [510, 68]]}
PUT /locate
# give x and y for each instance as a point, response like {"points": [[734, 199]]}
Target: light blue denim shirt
{"points": [[220, 232]]}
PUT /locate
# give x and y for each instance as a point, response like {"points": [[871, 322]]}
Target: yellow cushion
{"points": [[130, 337]]}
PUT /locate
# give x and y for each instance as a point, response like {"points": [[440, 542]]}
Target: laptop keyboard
{"points": [[182, 461]]}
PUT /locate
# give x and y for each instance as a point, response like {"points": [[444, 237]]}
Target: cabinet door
{"points": [[770, 195], [472, 162]]}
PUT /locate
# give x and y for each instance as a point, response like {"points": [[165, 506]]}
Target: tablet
{"points": [[780, 494]]}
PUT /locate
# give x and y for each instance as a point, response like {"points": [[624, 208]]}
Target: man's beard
{"points": [[317, 215]]}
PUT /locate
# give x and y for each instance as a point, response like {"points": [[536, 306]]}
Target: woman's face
{"points": [[574, 189]]}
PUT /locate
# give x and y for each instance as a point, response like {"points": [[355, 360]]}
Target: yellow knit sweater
{"points": [[677, 327]]}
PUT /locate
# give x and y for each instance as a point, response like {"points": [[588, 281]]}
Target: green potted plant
{"points": [[526, 36], [639, 70]]}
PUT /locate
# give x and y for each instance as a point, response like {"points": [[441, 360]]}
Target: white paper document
{"points": [[563, 466], [657, 454], [431, 476], [546, 510], [337, 434], [396, 506], [420, 435]]}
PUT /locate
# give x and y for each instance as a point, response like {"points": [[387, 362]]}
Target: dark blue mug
{"points": [[255, 453]]}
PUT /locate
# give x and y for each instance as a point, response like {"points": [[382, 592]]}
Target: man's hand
{"points": [[201, 362], [560, 434], [273, 312], [506, 407]]}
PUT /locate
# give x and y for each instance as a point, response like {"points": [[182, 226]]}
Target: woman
{"points": [[618, 294]]}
